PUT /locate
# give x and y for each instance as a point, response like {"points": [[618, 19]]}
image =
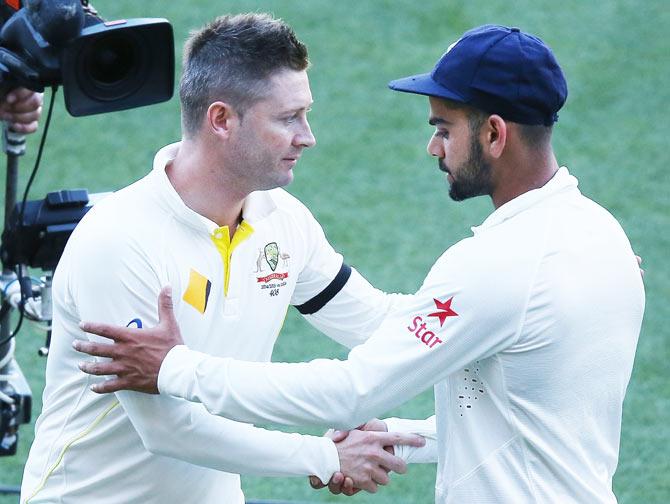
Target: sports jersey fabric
{"points": [[528, 330], [232, 295]]}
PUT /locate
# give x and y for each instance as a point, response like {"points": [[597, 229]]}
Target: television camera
{"points": [[103, 67]]}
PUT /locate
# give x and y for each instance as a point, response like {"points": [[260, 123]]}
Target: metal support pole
{"points": [[14, 145]]}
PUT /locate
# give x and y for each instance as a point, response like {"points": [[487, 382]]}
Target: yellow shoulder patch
{"points": [[197, 292]]}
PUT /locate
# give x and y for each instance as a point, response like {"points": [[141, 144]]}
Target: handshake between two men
{"points": [[366, 454]]}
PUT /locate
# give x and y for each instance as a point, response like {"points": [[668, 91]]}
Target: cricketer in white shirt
{"points": [[528, 331], [134, 448]]}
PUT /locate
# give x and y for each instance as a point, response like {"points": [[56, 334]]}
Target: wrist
{"points": [[169, 368]]}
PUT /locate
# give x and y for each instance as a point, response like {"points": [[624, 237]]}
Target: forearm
{"points": [[321, 392], [202, 378], [187, 432]]}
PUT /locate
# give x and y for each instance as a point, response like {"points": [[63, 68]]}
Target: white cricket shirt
{"points": [[232, 297], [528, 330]]}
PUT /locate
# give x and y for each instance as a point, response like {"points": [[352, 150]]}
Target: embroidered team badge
{"points": [[419, 327], [272, 257]]}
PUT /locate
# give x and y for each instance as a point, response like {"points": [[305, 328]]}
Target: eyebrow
{"points": [[298, 108], [434, 121]]}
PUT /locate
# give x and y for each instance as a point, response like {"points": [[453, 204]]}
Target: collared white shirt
{"points": [[231, 297], [528, 331]]}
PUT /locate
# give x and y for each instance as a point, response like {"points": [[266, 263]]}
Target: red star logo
{"points": [[445, 310]]}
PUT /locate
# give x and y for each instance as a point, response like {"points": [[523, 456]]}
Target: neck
{"points": [[201, 182], [522, 172]]}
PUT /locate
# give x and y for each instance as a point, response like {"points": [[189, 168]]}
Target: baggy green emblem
{"points": [[272, 255]]}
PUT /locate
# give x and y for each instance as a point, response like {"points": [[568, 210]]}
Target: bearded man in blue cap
{"points": [[527, 329]]}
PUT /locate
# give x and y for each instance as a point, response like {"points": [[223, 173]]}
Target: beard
{"points": [[473, 177]]}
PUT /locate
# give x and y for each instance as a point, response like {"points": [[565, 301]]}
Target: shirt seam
{"points": [[60, 460], [490, 456]]}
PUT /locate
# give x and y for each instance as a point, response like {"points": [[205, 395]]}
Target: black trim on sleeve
{"points": [[320, 300]]}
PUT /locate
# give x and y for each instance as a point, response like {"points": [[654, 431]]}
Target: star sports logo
{"points": [[418, 326], [444, 310]]}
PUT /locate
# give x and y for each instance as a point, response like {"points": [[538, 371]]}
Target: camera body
{"points": [[37, 233], [118, 65], [103, 66]]}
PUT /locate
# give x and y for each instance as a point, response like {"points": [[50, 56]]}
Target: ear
{"points": [[496, 135], [221, 118]]}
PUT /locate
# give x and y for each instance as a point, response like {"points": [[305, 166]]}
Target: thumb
{"points": [[336, 435], [316, 483], [165, 307]]}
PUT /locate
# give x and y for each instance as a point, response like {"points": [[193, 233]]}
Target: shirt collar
{"points": [[257, 205], [561, 182]]}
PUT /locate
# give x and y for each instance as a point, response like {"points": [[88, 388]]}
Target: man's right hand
{"points": [[366, 458], [137, 354]]}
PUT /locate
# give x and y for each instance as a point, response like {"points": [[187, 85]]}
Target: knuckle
{"points": [[92, 348]]}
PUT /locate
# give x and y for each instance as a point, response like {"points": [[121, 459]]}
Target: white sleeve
{"points": [[126, 288], [333, 297], [425, 428], [453, 320]]}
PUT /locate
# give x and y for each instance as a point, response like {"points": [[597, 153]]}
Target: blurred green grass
{"points": [[379, 197]]}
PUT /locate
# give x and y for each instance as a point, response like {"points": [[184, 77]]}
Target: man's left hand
{"points": [[137, 354]]}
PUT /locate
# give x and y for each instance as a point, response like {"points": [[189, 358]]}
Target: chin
{"points": [[286, 179], [280, 180]]}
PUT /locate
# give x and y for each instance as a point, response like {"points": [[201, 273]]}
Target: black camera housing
{"points": [[38, 237], [118, 65], [103, 66]]}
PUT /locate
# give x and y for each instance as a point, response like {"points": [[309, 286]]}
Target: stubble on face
{"points": [[264, 153], [472, 177]]}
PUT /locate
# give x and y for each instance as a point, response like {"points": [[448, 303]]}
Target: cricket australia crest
{"points": [[272, 255], [278, 261]]}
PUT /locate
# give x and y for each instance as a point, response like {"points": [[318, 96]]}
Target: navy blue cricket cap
{"points": [[499, 70]]}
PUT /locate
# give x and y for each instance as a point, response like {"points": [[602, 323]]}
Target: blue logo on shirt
{"points": [[135, 323]]}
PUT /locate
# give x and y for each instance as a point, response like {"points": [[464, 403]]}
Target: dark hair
{"points": [[231, 59], [534, 136]]}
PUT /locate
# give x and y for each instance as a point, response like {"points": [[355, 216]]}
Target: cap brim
{"points": [[423, 84]]}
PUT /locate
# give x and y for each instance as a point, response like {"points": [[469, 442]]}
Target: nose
{"points": [[435, 147], [304, 138]]}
